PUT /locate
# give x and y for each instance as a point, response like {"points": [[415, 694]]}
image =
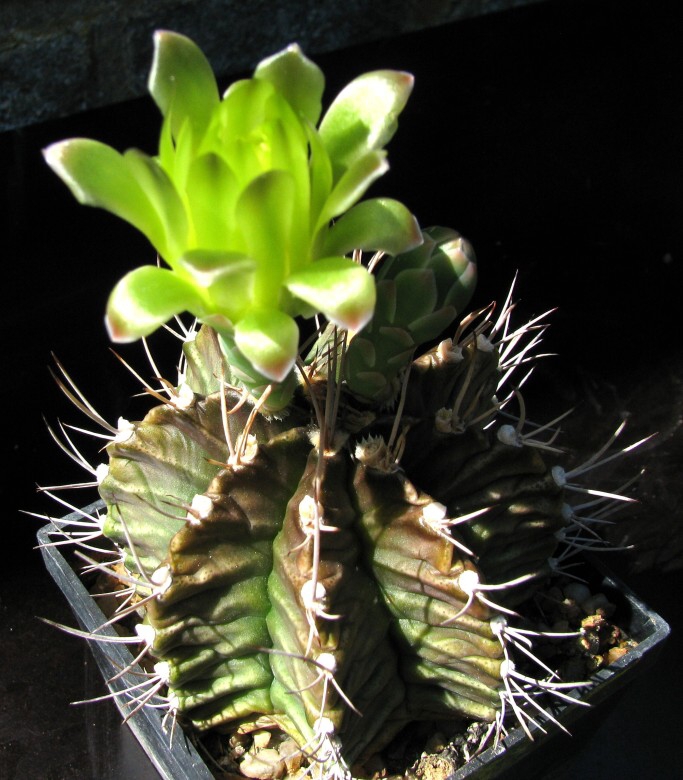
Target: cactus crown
{"points": [[315, 533]]}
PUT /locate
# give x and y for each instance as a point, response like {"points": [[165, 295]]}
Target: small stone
{"points": [[577, 591], [436, 743], [571, 609], [615, 653], [595, 662], [291, 754], [591, 642], [266, 765], [261, 739], [592, 622], [434, 768]]}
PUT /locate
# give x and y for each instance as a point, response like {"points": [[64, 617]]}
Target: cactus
{"points": [[327, 530]]}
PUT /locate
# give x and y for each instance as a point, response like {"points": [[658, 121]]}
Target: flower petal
{"points": [[211, 190], [227, 278], [352, 185], [269, 339], [297, 78], [164, 199], [98, 175], [339, 288], [362, 117], [264, 212], [381, 224], [145, 299], [182, 83]]}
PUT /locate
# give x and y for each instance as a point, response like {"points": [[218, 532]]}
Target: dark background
{"points": [[551, 137]]}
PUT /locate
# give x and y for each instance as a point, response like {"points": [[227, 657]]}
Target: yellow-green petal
{"points": [[297, 78], [381, 224], [145, 299], [339, 288], [264, 212], [362, 117], [98, 175], [353, 185], [182, 83], [269, 339]]}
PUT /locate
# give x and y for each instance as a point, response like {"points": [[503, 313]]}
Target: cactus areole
{"points": [[328, 533]]}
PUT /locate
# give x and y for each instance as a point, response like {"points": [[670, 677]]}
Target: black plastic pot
{"points": [[179, 760]]}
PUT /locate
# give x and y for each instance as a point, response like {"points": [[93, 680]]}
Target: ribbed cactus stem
{"points": [[419, 576], [315, 578]]}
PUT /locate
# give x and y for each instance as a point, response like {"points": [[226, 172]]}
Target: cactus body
{"points": [[313, 577]]}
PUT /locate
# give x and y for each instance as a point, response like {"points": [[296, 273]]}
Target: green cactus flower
{"points": [[251, 201]]}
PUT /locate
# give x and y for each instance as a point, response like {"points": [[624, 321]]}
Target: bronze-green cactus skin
{"points": [[450, 661]]}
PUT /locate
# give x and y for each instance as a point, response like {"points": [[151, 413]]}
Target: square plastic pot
{"points": [[179, 760]]}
